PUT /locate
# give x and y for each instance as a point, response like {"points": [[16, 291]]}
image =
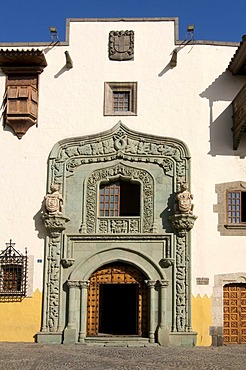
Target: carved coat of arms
{"points": [[121, 45]]}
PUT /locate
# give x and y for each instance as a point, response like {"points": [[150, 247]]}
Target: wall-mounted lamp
{"points": [[54, 34], [69, 62], [190, 31]]}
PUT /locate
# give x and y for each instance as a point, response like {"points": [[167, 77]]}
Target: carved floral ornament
{"points": [[122, 144]]}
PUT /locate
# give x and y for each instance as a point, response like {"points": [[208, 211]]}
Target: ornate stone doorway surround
{"points": [[78, 165]]}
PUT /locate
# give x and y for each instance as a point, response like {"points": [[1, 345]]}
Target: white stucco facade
{"points": [[190, 102]]}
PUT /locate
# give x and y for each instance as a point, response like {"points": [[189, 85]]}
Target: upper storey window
{"points": [[120, 98], [236, 207], [120, 198], [20, 102], [231, 208]]}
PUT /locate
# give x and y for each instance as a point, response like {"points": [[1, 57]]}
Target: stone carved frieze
{"points": [[121, 45], [116, 226], [120, 143], [119, 225]]}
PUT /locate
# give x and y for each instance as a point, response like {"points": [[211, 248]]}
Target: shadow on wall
{"points": [[39, 226], [167, 212], [224, 88]]}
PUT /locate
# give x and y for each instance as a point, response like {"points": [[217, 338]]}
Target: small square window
{"points": [[120, 98]]}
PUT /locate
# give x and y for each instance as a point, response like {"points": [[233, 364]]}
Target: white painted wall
{"points": [[190, 102]]}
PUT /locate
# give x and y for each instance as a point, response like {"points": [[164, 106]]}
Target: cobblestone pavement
{"points": [[30, 356]]}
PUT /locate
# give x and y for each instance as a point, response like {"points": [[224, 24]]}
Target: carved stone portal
{"points": [[161, 165]]}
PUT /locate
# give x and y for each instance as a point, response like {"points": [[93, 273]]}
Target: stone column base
{"points": [[70, 336], [49, 338], [182, 339]]}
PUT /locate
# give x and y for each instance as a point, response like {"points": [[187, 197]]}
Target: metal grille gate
{"points": [[116, 273]]}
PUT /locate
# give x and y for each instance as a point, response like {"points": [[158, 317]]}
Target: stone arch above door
{"points": [[117, 301], [143, 262]]}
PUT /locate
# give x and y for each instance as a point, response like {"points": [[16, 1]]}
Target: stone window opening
{"points": [[120, 98], [120, 198], [231, 208]]}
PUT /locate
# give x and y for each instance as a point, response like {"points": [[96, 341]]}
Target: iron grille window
{"points": [[13, 271], [120, 198], [236, 207], [121, 101]]}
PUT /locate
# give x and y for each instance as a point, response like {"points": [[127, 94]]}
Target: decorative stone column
{"points": [[163, 331], [151, 285], [70, 331], [84, 285], [72, 285]]}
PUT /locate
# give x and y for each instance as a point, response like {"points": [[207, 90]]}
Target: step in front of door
{"points": [[119, 341]]}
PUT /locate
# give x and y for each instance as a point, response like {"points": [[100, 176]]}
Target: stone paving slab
{"points": [[31, 356]]}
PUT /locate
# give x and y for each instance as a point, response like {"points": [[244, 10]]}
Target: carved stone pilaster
{"points": [[181, 283], [53, 261], [54, 224], [182, 223]]}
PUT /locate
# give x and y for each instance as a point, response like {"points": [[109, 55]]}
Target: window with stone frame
{"points": [[231, 208], [120, 98], [236, 207]]}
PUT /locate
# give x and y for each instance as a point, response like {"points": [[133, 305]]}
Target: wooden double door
{"points": [[234, 296], [117, 301]]}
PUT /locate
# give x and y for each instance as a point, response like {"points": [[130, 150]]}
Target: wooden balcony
{"points": [[21, 108], [239, 117]]}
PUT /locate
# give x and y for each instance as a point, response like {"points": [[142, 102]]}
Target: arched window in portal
{"points": [[119, 199]]}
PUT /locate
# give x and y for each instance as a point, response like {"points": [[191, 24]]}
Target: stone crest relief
{"points": [[121, 45]]}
